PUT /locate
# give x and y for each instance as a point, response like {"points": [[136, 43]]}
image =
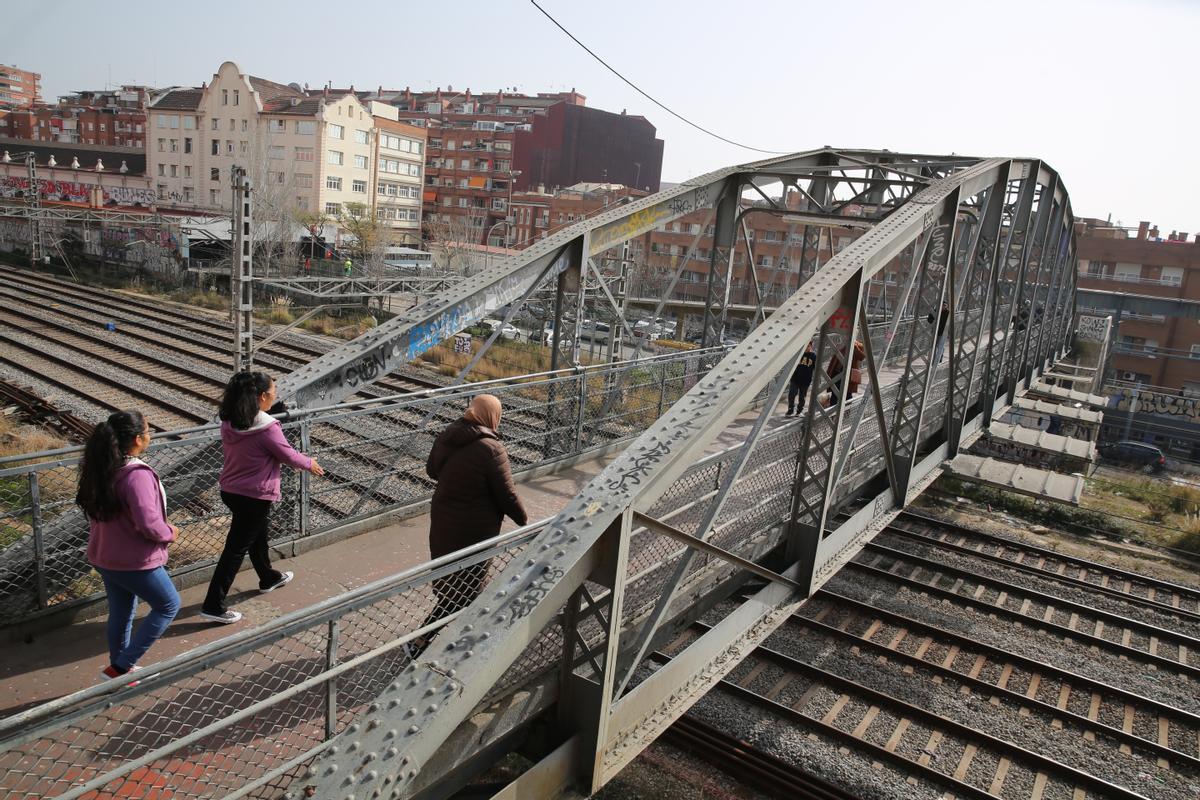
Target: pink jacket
{"points": [[253, 456], [136, 537]]}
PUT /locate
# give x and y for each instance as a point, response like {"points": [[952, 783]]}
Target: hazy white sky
{"points": [[1104, 91]]}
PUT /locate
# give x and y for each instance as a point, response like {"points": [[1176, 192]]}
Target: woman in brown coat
{"points": [[474, 492]]}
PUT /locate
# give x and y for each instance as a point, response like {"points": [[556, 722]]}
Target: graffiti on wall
{"points": [[1092, 328], [77, 192], [1155, 403]]}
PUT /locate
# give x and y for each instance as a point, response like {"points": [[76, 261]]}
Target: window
{"points": [[162, 120], [333, 209], [275, 151], [233, 124], [275, 177], [360, 137], [450, 144], [764, 261], [162, 191], [174, 171], [360, 162], [416, 147], [359, 186], [464, 163], [335, 157], [214, 174], [162, 170], [302, 203], [337, 132], [306, 127], [216, 147], [174, 145], [1195, 351], [243, 126], [235, 97], [389, 165], [303, 180], [304, 154], [189, 123], [504, 145], [187, 171], [334, 183], [277, 126], [229, 147], [162, 145], [224, 97], [214, 196], [187, 144], [102, 127], [462, 202], [216, 123], [462, 183], [244, 147], [1172, 276], [172, 123]]}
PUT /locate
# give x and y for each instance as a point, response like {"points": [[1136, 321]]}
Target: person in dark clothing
{"points": [[836, 365], [940, 334], [801, 379], [474, 493]]}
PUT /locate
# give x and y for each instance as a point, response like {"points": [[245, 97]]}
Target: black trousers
{"points": [[247, 535], [796, 391], [454, 592]]}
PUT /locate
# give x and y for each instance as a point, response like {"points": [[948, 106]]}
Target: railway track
{"points": [[897, 671]]}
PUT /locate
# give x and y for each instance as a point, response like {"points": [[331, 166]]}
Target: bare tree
{"points": [[370, 238], [275, 206], [454, 240]]}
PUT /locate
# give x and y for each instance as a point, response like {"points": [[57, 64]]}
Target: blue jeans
{"points": [[939, 351], [123, 589]]}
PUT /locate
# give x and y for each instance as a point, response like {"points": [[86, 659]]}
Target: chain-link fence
{"points": [[374, 455]]}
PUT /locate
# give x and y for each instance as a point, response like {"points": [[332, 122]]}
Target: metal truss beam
{"points": [[341, 288], [435, 694]]}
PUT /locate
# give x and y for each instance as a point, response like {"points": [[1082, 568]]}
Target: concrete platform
{"points": [[1063, 394], [1040, 440], [1078, 414], [1039, 483]]}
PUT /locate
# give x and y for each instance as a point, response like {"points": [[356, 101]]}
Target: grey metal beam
{"points": [[1148, 305]]}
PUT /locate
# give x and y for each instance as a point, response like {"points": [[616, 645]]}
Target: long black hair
{"points": [[239, 406], [103, 455]]}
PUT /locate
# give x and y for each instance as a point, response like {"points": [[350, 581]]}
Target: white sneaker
{"points": [[284, 581], [228, 618]]}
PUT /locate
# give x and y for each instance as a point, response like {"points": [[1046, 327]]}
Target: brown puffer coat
{"points": [[474, 488]]}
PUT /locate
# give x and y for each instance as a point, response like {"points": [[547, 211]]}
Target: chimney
{"points": [[1143, 229], [1154, 232]]}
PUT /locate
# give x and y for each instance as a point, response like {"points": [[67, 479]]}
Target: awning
{"points": [[429, 196], [476, 183]]}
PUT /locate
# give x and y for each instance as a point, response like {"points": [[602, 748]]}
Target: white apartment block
{"points": [[399, 167], [305, 151]]}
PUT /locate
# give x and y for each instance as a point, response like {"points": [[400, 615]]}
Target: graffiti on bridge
{"points": [[1155, 403], [78, 192]]}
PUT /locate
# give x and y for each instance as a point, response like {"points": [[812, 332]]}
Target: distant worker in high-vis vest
{"points": [[347, 267]]}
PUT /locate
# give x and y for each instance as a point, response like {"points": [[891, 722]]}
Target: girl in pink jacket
{"points": [[254, 448], [126, 508]]}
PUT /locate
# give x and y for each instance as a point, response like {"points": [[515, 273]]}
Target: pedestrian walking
{"points": [[254, 449], [128, 534], [474, 493], [800, 381], [836, 365], [940, 333], [347, 267]]}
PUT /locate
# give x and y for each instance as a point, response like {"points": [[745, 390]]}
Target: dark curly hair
{"points": [[103, 455], [239, 405]]}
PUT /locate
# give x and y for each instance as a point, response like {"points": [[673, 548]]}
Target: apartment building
{"points": [[484, 147], [1151, 350], [19, 88], [538, 214], [109, 118], [398, 167]]}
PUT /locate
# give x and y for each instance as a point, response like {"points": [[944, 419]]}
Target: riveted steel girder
{"points": [[434, 694]]}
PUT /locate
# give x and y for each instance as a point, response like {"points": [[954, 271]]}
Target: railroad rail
{"points": [[42, 410]]}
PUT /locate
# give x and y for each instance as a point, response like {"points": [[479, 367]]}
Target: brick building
{"points": [[1152, 350], [19, 88], [110, 118], [478, 144]]}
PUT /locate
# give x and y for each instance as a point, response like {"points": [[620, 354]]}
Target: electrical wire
{"points": [[639, 90]]}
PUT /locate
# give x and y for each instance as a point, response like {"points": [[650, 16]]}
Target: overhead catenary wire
{"points": [[643, 93]]}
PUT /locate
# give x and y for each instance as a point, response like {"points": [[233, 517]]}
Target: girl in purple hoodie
{"points": [[254, 448], [126, 508]]}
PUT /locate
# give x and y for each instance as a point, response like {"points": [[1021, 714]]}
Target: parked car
{"points": [[1138, 455], [507, 330], [645, 329]]}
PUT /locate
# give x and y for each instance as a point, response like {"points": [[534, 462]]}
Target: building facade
{"points": [[398, 165], [115, 118], [19, 88], [1154, 351], [476, 144]]}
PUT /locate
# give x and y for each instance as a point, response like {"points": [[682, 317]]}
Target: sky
{"points": [[1102, 91]]}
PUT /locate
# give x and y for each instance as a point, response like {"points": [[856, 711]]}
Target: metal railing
{"points": [[247, 715], [373, 452]]}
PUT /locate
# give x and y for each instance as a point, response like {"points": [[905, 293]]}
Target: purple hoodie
{"points": [[253, 456], [136, 537]]}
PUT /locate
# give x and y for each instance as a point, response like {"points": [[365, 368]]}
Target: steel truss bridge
{"points": [[562, 631]]}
